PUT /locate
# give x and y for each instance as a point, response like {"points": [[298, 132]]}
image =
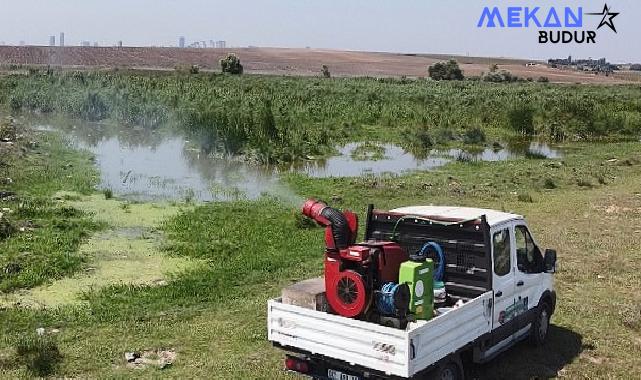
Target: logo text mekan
{"points": [[556, 20]]}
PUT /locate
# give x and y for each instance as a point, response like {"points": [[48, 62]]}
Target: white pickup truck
{"points": [[499, 285]]}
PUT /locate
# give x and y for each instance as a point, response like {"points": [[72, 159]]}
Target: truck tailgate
{"points": [[388, 350]]}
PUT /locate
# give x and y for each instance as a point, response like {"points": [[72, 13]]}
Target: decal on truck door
{"points": [[518, 307]]}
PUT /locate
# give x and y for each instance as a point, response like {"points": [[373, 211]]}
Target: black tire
{"points": [[447, 371], [540, 325]]}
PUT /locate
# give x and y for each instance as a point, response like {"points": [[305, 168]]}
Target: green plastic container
{"points": [[418, 275]]}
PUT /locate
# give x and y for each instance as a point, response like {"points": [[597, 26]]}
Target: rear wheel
{"points": [[447, 371], [541, 325]]}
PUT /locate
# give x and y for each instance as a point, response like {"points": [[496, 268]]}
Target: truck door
{"points": [[529, 269], [503, 283]]}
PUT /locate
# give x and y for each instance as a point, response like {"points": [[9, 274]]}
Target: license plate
{"points": [[338, 375]]}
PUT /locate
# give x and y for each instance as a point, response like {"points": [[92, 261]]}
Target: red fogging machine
{"points": [[354, 273]]}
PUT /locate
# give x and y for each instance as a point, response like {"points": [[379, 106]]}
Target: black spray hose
{"points": [[340, 227]]}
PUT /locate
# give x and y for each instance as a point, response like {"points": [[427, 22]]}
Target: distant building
{"points": [[635, 66], [181, 42], [22, 43], [221, 44], [52, 40], [198, 44], [95, 44], [595, 65], [120, 43], [86, 43], [62, 39]]}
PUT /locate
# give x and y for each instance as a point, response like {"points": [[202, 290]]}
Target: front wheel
{"points": [[540, 326]]}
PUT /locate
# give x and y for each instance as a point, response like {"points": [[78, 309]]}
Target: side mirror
{"points": [[549, 260]]}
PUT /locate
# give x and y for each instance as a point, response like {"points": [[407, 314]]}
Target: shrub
{"points": [[474, 136], [500, 76], [6, 227], [419, 141], [39, 354], [326, 72], [423, 138], [543, 80], [8, 129], [231, 64], [521, 119], [94, 107], [15, 102], [442, 135], [465, 157], [525, 197], [555, 130], [535, 155], [549, 184], [445, 71], [583, 182], [108, 193]]}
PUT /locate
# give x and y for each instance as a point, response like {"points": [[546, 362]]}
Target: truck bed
{"points": [[384, 349]]}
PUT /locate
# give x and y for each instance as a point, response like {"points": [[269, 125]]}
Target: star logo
{"points": [[607, 18]]}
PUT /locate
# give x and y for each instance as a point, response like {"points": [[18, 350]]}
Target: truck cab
{"points": [[522, 285], [499, 286]]}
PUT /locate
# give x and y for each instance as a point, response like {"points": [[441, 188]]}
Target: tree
{"points": [[326, 72], [231, 64], [445, 71]]}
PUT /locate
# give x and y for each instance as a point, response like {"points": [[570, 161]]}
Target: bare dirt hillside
{"points": [[279, 61]]}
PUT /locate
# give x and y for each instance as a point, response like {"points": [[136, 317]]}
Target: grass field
{"points": [[196, 277], [34, 167]]}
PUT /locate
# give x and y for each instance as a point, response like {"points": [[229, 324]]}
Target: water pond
{"points": [[143, 164]]}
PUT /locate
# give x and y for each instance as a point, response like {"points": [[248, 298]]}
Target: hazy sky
{"points": [[425, 26]]}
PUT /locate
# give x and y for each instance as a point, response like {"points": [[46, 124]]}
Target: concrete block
{"points": [[309, 294]]}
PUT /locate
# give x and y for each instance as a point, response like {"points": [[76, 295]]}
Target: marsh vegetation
{"points": [[284, 119]]}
